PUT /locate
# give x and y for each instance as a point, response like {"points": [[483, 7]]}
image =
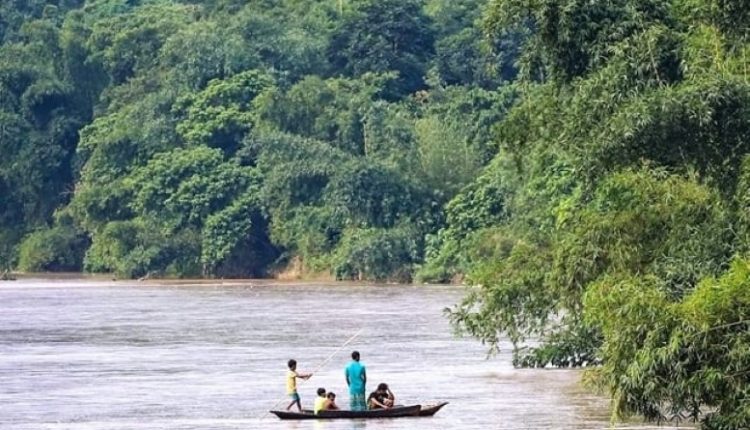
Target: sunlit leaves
{"points": [[183, 187], [620, 178], [666, 360], [221, 114], [129, 43]]}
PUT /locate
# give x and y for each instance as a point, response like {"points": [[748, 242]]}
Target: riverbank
{"points": [[99, 279]]}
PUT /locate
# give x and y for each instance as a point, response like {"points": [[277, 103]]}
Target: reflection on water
{"points": [[85, 355]]}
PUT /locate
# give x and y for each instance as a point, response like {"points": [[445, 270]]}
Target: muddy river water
{"points": [[91, 354]]}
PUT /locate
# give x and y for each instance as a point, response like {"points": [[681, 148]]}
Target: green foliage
{"points": [[390, 137], [317, 195], [464, 55], [308, 233], [590, 205], [111, 109], [235, 241], [289, 37], [575, 346], [573, 37], [381, 36], [221, 114], [204, 51], [40, 115], [333, 110], [510, 276], [111, 246], [110, 147], [447, 158], [376, 254], [481, 204], [14, 14], [183, 186], [191, 198], [742, 202], [372, 196], [135, 248], [296, 170], [730, 17], [57, 249], [129, 42], [618, 193], [666, 360], [646, 223]]}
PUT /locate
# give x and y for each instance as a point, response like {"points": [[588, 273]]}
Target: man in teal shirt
{"points": [[356, 378]]}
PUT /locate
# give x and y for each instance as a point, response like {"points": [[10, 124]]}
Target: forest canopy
{"points": [[582, 166], [230, 138]]}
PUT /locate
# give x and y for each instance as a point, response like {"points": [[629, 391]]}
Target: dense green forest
{"points": [[239, 138], [583, 165]]}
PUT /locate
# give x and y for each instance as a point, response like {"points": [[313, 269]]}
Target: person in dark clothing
{"points": [[382, 398]]}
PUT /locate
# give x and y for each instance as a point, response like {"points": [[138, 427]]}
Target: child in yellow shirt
{"points": [[320, 401], [291, 384]]}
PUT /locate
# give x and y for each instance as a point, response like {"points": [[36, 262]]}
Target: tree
{"points": [[40, 115], [383, 36], [572, 37], [331, 110], [110, 111], [221, 114], [129, 43], [464, 54], [377, 254], [619, 175], [669, 360]]}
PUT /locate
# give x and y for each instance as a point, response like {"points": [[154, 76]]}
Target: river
{"points": [[86, 354]]}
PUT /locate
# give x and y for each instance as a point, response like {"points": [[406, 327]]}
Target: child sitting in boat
{"points": [[330, 404], [320, 401], [382, 398]]}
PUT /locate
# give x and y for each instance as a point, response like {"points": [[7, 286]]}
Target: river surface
{"points": [[83, 354]]}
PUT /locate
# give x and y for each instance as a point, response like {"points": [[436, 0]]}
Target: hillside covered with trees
{"points": [[583, 164], [234, 138]]}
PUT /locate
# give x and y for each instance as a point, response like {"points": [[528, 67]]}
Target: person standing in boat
{"points": [[291, 384], [356, 379]]}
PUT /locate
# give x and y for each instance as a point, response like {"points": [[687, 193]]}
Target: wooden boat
{"points": [[430, 410], [395, 412]]}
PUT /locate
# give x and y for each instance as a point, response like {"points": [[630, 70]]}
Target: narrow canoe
{"points": [[396, 412], [430, 410]]}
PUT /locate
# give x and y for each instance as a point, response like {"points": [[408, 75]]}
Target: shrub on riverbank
{"points": [[670, 360], [56, 249]]}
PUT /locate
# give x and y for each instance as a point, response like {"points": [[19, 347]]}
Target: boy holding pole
{"points": [[291, 384]]}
